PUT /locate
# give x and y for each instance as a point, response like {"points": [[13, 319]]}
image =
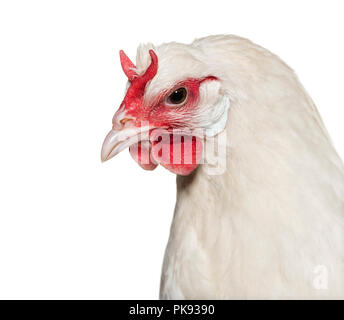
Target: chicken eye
{"points": [[177, 96]]}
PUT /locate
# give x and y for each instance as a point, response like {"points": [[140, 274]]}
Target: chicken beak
{"points": [[118, 140]]}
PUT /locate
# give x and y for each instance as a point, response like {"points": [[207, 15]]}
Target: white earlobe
{"points": [[213, 108], [220, 121]]}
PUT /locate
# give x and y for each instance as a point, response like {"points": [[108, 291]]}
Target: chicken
{"points": [[265, 220]]}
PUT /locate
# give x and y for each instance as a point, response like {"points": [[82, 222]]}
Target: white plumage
{"points": [[272, 225]]}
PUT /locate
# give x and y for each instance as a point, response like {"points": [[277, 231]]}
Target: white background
{"points": [[70, 226]]}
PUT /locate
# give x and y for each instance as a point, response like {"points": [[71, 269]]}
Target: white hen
{"points": [[271, 225]]}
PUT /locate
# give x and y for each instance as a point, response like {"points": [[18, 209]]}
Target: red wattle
{"points": [[178, 153], [142, 155]]}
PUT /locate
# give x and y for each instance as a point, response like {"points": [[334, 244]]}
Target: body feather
{"points": [[264, 226]]}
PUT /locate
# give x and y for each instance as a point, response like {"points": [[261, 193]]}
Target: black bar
{"points": [[156, 309]]}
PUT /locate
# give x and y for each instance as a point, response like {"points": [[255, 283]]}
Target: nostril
{"points": [[125, 120], [121, 120]]}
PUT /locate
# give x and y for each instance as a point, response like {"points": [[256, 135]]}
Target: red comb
{"points": [[128, 67]]}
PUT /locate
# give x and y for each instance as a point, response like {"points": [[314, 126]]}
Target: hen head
{"points": [[172, 104]]}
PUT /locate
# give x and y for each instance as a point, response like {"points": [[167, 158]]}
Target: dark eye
{"points": [[177, 96]]}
